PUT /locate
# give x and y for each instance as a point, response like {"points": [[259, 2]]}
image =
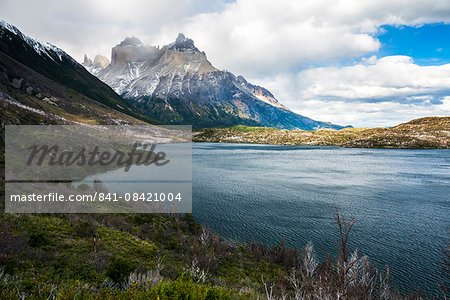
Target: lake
{"points": [[399, 199]]}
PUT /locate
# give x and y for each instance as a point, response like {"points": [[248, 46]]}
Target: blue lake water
{"points": [[400, 200]]}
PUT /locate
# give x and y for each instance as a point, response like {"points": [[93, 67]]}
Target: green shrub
{"points": [[118, 269], [38, 239], [84, 229]]}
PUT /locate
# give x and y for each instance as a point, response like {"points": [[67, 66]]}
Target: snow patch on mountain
{"points": [[42, 48]]}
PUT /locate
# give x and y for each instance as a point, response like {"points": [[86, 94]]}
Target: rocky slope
{"points": [[176, 84], [429, 132], [40, 83], [424, 133]]}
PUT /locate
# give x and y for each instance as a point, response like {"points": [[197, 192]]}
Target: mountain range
{"points": [[40, 84], [176, 84]]}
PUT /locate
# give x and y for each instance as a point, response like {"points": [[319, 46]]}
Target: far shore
{"points": [[424, 133]]}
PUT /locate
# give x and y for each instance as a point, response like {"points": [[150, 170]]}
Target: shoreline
{"points": [[424, 133], [312, 145]]}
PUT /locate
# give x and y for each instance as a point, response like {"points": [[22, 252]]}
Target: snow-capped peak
{"points": [[42, 48], [8, 26]]}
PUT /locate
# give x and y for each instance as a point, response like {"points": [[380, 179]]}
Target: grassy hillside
{"points": [[430, 132], [167, 257]]}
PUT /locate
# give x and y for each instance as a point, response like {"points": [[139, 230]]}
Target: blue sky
{"points": [[364, 63], [428, 44]]}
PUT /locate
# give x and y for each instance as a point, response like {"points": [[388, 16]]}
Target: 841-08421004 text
{"points": [[101, 197]]}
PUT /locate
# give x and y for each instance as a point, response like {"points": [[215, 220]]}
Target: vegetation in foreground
{"points": [[145, 256], [424, 133]]}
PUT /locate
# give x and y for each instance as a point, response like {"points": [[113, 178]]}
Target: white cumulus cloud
{"points": [[265, 36], [381, 91]]}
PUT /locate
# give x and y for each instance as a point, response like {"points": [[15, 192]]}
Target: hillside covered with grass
{"points": [[144, 256], [424, 133]]}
